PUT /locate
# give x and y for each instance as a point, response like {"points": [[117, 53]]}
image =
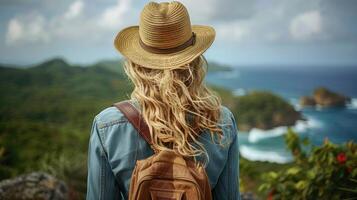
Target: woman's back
{"points": [[115, 146], [164, 61]]}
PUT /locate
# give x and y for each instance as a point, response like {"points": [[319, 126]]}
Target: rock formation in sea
{"points": [[325, 98], [307, 101]]}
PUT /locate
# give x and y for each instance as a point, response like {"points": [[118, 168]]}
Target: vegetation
{"points": [[46, 115], [264, 110], [251, 174], [327, 172]]}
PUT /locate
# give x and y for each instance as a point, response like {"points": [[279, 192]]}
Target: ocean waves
{"points": [[269, 146], [255, 135], [253, 154], [353, 104]]}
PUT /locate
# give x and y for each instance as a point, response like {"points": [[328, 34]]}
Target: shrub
{"points": [[328, 171]]}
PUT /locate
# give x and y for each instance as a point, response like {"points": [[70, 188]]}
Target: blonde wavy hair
{"points": [[177, 105]]}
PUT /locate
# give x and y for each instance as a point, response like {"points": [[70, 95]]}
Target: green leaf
{"points": [[301, 185], [306, 141], [272, 175], [311, 174], [264, 187], [293, 170]]}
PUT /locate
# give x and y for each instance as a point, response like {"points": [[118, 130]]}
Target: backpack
{"points": [[165, 175]]}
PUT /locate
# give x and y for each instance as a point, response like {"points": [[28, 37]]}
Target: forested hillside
{"points": [[46, 115]]}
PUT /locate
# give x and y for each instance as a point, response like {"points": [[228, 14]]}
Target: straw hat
{"points": [[164, 38]]}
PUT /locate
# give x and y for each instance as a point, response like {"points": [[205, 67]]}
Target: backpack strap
{"points": [[136, 119]]}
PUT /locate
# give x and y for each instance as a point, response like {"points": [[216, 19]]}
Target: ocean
{"points": [[338, 125]]}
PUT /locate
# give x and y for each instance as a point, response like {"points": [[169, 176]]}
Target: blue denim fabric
{"points": [[115, 146]]}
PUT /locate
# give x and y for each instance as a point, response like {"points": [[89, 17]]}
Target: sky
{"points": [[259, 33]]}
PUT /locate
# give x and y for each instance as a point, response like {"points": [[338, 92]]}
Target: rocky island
{"points": [[325, 98], [263, 110]]}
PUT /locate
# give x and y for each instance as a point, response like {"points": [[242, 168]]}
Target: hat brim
{"points": [[127, 43]]}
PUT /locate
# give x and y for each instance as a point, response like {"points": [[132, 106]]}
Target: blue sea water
{"points": [[336, 124]]}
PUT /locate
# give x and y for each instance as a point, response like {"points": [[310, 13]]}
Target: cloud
{"points": [[216, 10], [113, 16], [27, 29], [34, 28], [75, 9], [237, 21], [256, 22], [15, 31], [271, 25], [306, 25], [232, 31], [71, 25]]}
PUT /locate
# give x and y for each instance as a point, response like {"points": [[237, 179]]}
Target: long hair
{"points": [[177, 105]]}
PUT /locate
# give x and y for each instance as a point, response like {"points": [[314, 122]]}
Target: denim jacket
{"points": [[115, 145]]}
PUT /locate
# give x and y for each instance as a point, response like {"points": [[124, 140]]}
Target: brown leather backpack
{"points": [[164, 175]]}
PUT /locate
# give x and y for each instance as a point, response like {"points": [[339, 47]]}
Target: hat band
{"points": [[189, 42]]}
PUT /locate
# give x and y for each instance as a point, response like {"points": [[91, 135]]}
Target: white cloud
{"points": [[252, 22], [200, 10], [70, 25], [75, 9], [114, 16], [27, 29], [218, 10], [232, 31], [306, 25], [15, 31]]}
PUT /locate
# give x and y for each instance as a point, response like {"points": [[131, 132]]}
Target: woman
{"points": [[165, 63]]}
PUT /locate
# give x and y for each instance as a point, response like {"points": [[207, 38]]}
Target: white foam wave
{"points": [[256, 134], [295, 102], [352, 104], [253, 154], [300, 126]]}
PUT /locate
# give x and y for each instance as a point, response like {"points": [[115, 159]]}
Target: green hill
{"points": [[47, 112], [56, 92]]}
